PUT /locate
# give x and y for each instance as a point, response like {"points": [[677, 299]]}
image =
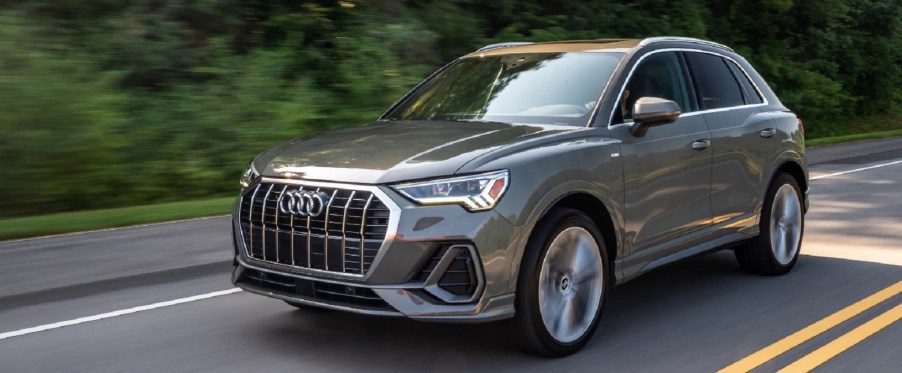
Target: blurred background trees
{"points": [[119, 102]]}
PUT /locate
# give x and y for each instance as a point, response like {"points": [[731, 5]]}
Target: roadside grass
{"points": [[67, 222], [854, 137]]}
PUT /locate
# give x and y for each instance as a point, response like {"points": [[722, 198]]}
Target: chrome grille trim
{"points": [[293, 228], [326, 229], [378, 221], [344, 234], [250, 213], [278, 249], [309, 240], [262, 221], [363, 232]]}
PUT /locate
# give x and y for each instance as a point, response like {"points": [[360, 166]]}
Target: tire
{"points": [[306, 307], [564, 267], [781, 226]]}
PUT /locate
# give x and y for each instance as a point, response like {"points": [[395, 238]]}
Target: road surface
{"points": [[97, 301]]}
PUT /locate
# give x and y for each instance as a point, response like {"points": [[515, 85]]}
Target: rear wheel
{"points": [[782, 223], [561, 286]]}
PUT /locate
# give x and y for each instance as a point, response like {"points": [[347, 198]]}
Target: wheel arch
{"points": [[601, 214], [794, 169], [598, 212]]}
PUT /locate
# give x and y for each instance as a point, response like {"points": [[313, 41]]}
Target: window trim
{"points": [[641, 58]]}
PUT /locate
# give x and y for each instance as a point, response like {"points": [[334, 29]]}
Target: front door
{"points": [[667, 180]]}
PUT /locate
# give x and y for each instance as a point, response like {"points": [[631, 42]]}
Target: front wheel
{"points": [[782, 223], [561, 286]]}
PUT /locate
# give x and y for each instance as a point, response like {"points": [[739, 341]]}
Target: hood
{"points": [[392, 151]]}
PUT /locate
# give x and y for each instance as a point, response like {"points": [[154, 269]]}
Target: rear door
{"points": [[666, 180], [740, 143]]}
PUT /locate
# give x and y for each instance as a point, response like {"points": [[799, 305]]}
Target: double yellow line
{"points": [[835, 347]]}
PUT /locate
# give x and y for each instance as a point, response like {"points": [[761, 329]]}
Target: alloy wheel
{"points": [[785, 224], [571, 284]]}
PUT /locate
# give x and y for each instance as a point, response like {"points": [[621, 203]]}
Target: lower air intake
{"points": [[453, 274], [316, 291]]}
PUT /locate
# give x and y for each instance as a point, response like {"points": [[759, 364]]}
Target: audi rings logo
{"points": [[303, 202]]}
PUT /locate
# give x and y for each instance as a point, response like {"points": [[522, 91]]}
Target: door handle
{"points": [[701, 144], [768, 133]]}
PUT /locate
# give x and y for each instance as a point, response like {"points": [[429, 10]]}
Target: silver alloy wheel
{"points": [[785, 224], [571, 283]]}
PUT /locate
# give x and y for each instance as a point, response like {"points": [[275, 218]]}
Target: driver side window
{"points": [[658, 75]]}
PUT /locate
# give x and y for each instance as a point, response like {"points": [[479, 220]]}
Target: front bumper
{"points": [[404, 281]]}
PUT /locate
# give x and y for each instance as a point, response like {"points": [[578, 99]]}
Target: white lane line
{"points": [[856, 170], [108, 315]]}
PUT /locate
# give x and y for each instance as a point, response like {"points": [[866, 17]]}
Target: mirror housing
{"points": [[653, 111]]}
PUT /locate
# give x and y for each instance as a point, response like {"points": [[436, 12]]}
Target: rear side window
{"points": [[751, 94], [717, 88]]}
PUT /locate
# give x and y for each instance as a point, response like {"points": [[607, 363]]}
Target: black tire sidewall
{"points": [[528, 318], [763, 243]]}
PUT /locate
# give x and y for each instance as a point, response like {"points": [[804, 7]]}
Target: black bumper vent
{"points": [[459, 278], [321, 292]]}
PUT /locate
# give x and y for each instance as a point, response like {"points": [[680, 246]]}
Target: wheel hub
{"points": [[565, 284]]}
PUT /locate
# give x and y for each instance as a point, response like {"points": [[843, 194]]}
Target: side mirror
{"points": [[653, 111]]}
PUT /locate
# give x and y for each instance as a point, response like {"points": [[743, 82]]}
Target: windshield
{"points": [[541, 88]]}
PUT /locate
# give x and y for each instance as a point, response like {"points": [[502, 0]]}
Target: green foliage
{"points": [[58, 120], [822, 141], [110, 103]]}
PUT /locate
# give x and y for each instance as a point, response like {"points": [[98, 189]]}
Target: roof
{"points": [[600, 45]]}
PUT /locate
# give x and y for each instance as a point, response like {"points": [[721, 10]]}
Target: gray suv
{"points": [[521, 181]]}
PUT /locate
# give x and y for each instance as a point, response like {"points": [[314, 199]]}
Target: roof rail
{"points": [[664, 39], [504, 45]]}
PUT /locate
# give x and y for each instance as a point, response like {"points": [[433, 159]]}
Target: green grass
{"points": [[119, 217], [854, 137], [109, 218]]}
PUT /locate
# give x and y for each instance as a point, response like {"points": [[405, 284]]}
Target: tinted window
{"points": [[717, 88], [751, 95], [658, 75]]}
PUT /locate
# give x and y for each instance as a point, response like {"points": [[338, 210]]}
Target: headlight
{"points": [[474, 192], [248, 177]]}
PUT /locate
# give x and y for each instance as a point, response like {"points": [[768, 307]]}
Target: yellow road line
{"points": [[837, 346], [777, 348]]}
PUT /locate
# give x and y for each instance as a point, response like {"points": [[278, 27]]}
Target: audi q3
{"points": [[522, 181]]}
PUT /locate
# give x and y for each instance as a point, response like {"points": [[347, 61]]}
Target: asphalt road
{"points": [[698, 315]]}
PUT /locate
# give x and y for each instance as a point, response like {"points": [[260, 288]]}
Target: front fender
{"points": [[542, 176]]}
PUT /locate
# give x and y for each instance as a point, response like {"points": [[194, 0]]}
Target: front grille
{"points": [[344, 238], [323, 292]]}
